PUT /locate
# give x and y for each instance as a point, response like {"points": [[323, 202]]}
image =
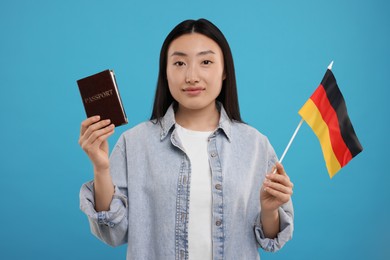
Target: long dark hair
{"points": [[228, 96]]}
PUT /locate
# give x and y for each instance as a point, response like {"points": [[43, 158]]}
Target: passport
{"points": [[100, 96]]}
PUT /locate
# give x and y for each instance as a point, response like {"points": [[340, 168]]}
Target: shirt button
{"points": [[213, 154], [218, 186], [218, 223]]}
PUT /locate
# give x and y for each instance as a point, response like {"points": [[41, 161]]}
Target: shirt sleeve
{"points": [[286, 219], [109, 226]]}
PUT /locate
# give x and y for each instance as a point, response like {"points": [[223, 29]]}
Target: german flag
{"points": [[326, 113]]}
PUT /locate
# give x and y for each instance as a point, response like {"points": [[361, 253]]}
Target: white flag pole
{"points": [[330, 66], [290, 142], [296, 131]]}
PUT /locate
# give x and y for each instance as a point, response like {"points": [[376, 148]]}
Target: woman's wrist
{"points": [[101, 171], [270, 215], [270, 223]]}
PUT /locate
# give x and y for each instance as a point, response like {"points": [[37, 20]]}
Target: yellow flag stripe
{"points": [[310, 113]]}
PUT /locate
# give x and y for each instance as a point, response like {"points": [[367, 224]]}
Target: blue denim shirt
{"points": [[152, 178]]}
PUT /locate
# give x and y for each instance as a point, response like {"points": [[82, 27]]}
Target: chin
{"points": [[196, 105]]}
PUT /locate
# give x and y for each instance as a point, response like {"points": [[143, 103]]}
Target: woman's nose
{"points": [[192, 76]]}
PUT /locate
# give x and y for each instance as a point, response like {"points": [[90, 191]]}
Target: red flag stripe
{"points": [[329, 115]]}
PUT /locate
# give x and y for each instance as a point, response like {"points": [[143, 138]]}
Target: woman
{"points": [[194, 182]]}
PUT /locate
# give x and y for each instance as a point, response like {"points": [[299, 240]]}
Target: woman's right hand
{"points": [[93, 140]]}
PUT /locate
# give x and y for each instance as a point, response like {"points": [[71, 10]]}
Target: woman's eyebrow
{"points": [[205, 53], [182, 54], [178, 53]]}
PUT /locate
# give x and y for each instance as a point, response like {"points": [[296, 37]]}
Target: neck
{"points": [[205, 119]]}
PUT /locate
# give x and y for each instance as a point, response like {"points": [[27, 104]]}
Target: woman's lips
{"points": [[193, 91]]}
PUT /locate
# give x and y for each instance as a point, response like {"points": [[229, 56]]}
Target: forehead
{"points": [[194, 43]]}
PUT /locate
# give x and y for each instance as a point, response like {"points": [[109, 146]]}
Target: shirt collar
{"points": [[168, 122]]}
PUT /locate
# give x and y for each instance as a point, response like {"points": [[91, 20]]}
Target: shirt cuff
{"points": [[111, 218], [285, 234]]}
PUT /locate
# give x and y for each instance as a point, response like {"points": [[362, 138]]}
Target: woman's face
{"points": [[195, 71]]}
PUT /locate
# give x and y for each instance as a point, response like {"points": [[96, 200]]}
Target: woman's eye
{"points": [[207, 62], [179, 63]]}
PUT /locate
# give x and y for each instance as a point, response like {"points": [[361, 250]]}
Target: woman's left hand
{"points": [[276, 190]]}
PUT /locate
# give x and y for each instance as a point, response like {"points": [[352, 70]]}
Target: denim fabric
{"points": [[152, 178]]}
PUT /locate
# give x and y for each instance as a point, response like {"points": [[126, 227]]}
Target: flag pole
{"points": [[296, 131], [330, 66], [291, 140], [289, 143]]}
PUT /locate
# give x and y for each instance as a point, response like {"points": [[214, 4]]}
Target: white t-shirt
{"points": [[200, 216]]}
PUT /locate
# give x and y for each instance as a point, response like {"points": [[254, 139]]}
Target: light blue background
{"points": [[281, 51]]}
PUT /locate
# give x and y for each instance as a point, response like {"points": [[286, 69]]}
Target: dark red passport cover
{"points": [[100, 96]]}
